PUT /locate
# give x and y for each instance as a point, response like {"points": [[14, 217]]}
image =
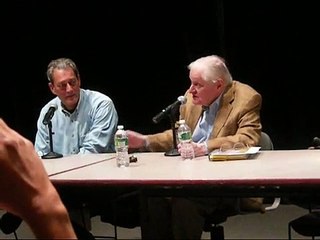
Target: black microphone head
{"points": [[170, 109], [316, 142], [182, 99], [49, 114], [55, 106]]}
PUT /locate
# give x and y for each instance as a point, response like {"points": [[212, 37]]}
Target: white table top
{"points": [[68, 163], [268, 167]]}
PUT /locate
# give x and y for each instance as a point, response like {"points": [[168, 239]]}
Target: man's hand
{"points": [[136, 140], [200, 149]]}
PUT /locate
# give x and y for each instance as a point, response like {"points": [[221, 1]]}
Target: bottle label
{"points": [[121, 142], [185, 136]]}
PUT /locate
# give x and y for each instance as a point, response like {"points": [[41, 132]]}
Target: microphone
{"points": [[316, 142], [167, 110], [47, 118]]}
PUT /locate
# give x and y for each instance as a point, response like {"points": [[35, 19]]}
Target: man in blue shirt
{"points": [[84, 121]]}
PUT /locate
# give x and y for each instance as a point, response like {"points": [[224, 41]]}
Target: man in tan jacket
{"points": [[232, 115]]}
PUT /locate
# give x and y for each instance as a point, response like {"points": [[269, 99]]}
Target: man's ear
{"points": [[220, 83], [52, 88]]}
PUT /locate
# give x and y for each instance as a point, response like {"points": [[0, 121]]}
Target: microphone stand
{"points": [[51, 154], [173, 119]]}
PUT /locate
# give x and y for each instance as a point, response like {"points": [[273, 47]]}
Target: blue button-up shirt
{"points": [[205, 125], [89, 129]]}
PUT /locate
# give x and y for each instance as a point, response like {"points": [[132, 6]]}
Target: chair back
{"points": [[265, 142]]}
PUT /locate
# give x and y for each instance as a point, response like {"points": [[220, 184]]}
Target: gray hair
{"points": [[211, 67], [61, 63]]}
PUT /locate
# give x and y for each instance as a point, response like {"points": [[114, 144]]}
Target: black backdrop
{"points": [[136, 52]]}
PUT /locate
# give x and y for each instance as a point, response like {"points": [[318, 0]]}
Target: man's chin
{"points": [[196, 101], [72, 101]]}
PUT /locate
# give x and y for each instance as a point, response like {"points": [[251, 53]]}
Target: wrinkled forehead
{"points": [[195, 74], [201, 76], [63, 74]]}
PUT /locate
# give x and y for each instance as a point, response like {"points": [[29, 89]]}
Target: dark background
{"points": [[137, 53]]}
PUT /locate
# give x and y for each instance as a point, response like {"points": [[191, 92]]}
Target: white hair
{"points": [[211, 68]]}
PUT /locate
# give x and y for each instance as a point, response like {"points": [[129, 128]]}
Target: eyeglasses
{"points": [[238, 147]]}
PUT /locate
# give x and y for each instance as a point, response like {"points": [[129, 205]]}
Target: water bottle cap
{"points": [[182, 121], [120, 127]]}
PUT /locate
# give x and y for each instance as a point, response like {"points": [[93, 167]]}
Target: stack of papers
{"points": [[217, 155]]}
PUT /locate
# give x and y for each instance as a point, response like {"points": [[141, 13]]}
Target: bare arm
{"points": [[26, 190]]}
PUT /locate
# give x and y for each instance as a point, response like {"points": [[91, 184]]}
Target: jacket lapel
{"points": [[195, 114], [223, 112]]}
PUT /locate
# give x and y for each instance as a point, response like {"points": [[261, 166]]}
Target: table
{"points": [[277, 168], [275, 173], [68, 163]]}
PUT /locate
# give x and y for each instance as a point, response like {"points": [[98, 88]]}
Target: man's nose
{"points": [[69, 87]]}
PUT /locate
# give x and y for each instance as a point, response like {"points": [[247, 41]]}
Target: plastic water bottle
{"points": [[185, 139], [121, 146]]}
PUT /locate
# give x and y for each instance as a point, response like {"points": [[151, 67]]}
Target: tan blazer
{"points": [[237, 120]]}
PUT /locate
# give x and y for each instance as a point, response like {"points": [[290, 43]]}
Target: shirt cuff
{"points": [[205, 148], [146, 142]]}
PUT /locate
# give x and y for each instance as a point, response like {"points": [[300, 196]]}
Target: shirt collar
{"points": [[213, 106], [66, 112]]}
